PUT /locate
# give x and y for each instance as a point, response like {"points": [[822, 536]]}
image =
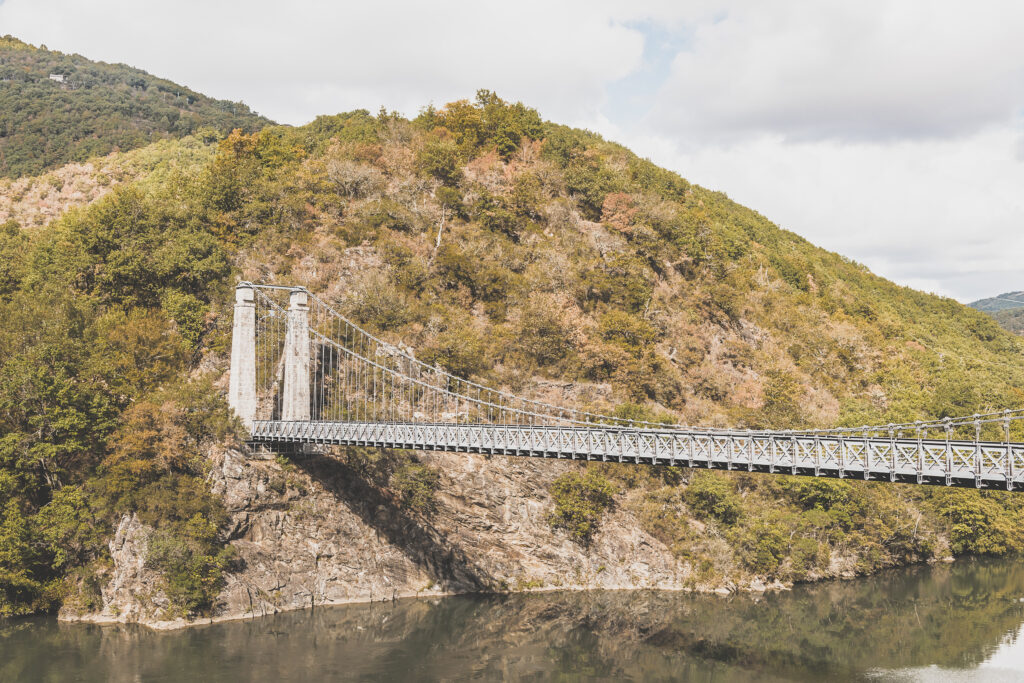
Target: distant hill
{"points": [[1007, 310], [1001, 302], [57, 108]]}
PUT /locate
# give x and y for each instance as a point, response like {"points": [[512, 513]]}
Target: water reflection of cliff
{"points": [[950, 616]]}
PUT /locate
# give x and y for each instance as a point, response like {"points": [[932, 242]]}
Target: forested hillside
{"points": [[1011, 319], [517, 252], [56, 108]]}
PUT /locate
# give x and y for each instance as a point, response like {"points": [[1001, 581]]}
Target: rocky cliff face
{"points": [[314, 531]]}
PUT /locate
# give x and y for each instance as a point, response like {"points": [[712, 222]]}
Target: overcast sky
{"points": [[891, 132]]}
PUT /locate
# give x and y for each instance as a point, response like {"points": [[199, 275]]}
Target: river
{"points": [[958, 622]]}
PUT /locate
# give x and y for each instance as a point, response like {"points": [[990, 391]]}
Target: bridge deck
{"points": [[924, 461]]}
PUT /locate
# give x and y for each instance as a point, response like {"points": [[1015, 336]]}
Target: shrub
{"points": [[459, 350], [13, 244], [527, 197], [782, 395], [416, 484], [713, 496], [542, 336], [762, 546], [806, 555], [580, 502], [589, 182], [628, 332], [493, 215], [487, 281], [353, 179], [624, 281], [192, 562], [979, 525], [440, 158], [488, 121], [389, 214], [379, 304]]}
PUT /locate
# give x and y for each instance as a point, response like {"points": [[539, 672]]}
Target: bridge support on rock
{"points": [[295, 403], [242, 380]]}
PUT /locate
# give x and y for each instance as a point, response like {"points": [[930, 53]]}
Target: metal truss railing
{"points": [[937, 462]]}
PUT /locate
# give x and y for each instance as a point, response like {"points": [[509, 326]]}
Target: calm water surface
{"points": [[960, 622]]}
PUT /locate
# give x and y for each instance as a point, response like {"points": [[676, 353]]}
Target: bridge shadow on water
{"points": [[409, 532]]}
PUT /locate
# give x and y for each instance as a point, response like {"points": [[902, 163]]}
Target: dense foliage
{"points": [[56, 108], [533, 257], [1010, 319], [102, 314]]}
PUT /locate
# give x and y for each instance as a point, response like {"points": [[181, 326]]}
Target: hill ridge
{"points": [[57, 108], [1000, 302]]}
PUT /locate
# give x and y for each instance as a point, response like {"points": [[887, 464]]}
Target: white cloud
{"points": [[888, 131], [852, 71]]}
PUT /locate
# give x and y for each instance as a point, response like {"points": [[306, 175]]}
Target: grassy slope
{"points": [[98, 108]]}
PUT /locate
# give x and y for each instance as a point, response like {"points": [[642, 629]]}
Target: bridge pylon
{"points": [[295, 401], [242, 376]]}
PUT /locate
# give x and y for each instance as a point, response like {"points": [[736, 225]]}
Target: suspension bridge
{"points": [[302, 373]]}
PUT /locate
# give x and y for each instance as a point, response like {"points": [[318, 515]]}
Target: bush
{"points": [[459, 350], [188, 313], [542, 336], [488, 121], [782, 398], [192, 562], [806, 555], [354, 179], [440, 158], [379, 304], [623, 281], [494, 216], [389, 214], [713, 496], [630, 333], [416, 484], [762, 546], [979, 525], [580, 502]]}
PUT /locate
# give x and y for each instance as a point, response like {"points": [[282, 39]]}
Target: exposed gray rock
{"points": [[132, 592], [316, 533]]}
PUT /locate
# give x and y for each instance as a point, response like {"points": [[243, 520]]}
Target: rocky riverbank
{"points": [[312, 530]]}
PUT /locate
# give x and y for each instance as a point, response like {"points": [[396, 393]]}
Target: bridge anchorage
{"points": [[302, 373]]}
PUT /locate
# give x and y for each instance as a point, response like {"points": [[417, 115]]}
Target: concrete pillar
{"points": [[242, 374], [295, 395]]}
